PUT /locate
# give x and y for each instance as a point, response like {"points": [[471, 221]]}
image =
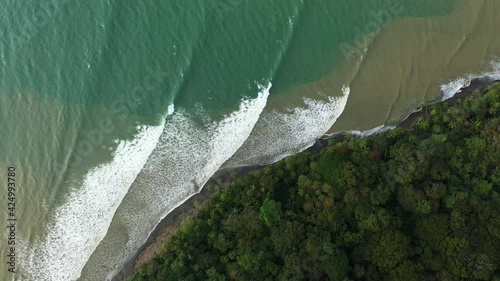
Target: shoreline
{"points": [[170, 223]]}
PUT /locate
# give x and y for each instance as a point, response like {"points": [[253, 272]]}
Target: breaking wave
{"points": [[186, 156], [449, 89], [82, 221], [280, 134]]}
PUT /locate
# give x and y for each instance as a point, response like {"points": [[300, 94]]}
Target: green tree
{"points": [[387, 250], [271, 212]]}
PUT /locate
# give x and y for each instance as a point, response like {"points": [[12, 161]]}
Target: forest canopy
{"points": [[421, 203]]}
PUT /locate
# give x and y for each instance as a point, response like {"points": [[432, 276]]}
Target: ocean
{"points": [[115, 112]]}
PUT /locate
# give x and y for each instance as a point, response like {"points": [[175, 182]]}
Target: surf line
{"points": [[219, 139]]}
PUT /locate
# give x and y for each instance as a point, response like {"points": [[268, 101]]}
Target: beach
{"points": [[170, 223]]}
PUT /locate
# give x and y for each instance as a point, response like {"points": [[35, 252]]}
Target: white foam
{"points": [[374, 131], [453, 87], [279, 134], [187, 155], [82, 221], [170, 109], [450, 88], [448, 91]]}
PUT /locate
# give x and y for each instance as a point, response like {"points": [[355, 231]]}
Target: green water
{"points": [[115, 112]]}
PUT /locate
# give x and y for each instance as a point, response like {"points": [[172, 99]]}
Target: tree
{"points": [[387, 250], [433, 229], [271, 212]]}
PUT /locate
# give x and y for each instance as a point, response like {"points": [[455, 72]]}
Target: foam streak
{"points": [[187, 155], [279, 134], [451, 88], [82, 222]]}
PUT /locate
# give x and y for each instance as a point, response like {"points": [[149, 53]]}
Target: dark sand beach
{"points": [[170, 223]]}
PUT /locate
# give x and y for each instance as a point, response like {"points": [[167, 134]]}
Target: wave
{"points": [[82, 221], [449, 89], [278, 134], [186, 156], [374, 131]]}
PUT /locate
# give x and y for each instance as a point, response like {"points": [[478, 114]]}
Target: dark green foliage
{"points": [[417, 204], [270, 212]]}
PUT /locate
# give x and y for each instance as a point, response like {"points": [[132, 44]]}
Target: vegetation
{"points": [[408, 204]]}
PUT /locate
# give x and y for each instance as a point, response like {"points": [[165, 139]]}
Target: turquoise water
{"points": [[115, 112]]}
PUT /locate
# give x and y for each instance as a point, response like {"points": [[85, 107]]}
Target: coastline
{"points": [[170, 223]]}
